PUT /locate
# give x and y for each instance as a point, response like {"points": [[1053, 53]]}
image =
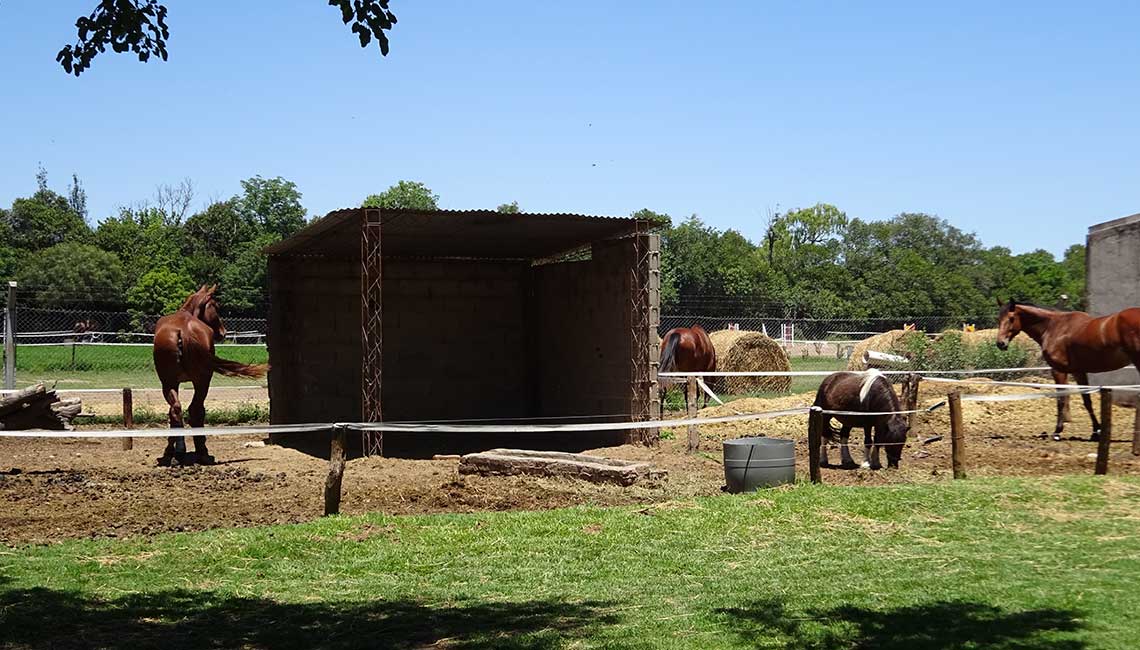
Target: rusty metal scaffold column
{"points": [[371, 331], [644, 317]]}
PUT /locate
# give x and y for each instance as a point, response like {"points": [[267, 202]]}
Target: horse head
{"points": [[1009, 323], [204, 306]]}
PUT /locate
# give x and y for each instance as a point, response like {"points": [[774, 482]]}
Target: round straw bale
{"points": [[885, 342], [1022, 340], [745, 351]]}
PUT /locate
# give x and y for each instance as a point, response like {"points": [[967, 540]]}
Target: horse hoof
{"points": [[164, 461], [865, 465], [204, 459], [1095, 437], [1056, 437]]}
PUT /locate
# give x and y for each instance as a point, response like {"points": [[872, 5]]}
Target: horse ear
{"points": [[211, 290]]}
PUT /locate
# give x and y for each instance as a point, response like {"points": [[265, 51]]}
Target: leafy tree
{"points": [[139, 26], [142, 238], [44, 220], [404, 195], [244, 281], [157, 292], [272, 205], [73, 275], [509, 208]]}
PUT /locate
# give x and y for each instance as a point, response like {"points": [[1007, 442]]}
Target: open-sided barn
{"points": [[405, 315]]}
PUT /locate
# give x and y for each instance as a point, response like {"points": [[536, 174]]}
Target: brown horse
{"points": [[686, 349], [1072, 342], [862, 392], [184, 351]]}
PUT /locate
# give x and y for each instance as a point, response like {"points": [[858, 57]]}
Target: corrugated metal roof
{"points": [[455, 233], [1115, 223]]}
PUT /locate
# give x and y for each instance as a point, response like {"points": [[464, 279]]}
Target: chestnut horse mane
{"points": [[195, 300]]}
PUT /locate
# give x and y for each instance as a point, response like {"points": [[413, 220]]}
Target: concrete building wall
{"points": [[1113, 259]]}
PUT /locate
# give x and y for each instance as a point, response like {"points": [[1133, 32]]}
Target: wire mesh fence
{"points": [[88, 349]]}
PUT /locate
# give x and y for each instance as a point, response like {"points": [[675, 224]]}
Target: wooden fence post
{"points": [[691, 400], [1136, 427], [336, 471], [815, 439], [910, 390], [957, 436], [128, 418], [1105, 431]]}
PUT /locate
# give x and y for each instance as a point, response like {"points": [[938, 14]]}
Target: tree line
{"points": [[817, 262], [813, 262]]}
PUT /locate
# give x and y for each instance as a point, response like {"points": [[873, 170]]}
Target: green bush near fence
{"points": [[949, 351]]}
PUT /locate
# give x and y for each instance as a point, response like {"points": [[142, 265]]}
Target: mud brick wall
{"points": [[582, 313], [453, 339], [1113, 266], [314, 340]]}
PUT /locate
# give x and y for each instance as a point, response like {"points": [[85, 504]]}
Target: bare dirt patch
{"points": [[58, 489]]}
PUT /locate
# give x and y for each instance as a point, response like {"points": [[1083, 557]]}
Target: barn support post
{"points": [[128, 418], [691, 395], [957, 436], [371, 330], [336, 470], [644, 317], [1105, 439], [10, 338], [815, 442]]}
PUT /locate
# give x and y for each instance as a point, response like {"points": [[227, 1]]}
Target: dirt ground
{"points": [[58, 489]]}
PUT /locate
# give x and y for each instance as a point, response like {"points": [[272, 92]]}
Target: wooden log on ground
{"points": [[37, 408], [595, 469], [1105, 431], [957, 436]]}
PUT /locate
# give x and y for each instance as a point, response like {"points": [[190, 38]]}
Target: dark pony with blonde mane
{"points": [[184, 352]]}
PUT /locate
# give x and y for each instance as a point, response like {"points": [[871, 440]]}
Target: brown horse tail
{"points": [[235, 369], [669, 355]]}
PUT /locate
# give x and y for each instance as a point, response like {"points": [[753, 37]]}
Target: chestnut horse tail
{"points": [[235, 369], [669, 355]]}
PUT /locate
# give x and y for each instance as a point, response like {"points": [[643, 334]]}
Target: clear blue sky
{"points": [[1018, 121]]}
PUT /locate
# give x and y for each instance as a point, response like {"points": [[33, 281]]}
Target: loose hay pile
{"points": [[885, 342], [745, 351]]}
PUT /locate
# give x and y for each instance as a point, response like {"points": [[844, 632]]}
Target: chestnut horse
{"points": [[686, 349], [184, 351], [1072, 342]]}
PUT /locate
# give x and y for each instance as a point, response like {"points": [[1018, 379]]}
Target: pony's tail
{"points": [[669, 355], [235, 369]]}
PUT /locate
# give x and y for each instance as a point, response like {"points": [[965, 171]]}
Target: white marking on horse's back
{"points": [[869, 381]]}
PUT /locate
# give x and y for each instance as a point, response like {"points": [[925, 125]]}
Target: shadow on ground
{"points": [[46, 618], [932, 626]]}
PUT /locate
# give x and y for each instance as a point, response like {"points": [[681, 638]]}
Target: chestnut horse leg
{"points": [[1083, 379], [175, 452], [1062, 404], [198, 419]]}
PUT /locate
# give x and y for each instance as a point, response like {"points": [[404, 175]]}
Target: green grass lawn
{"points": [[111, 366], [999, 564]]}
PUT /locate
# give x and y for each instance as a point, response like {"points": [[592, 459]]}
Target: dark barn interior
{"points": [[397, 315]]}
